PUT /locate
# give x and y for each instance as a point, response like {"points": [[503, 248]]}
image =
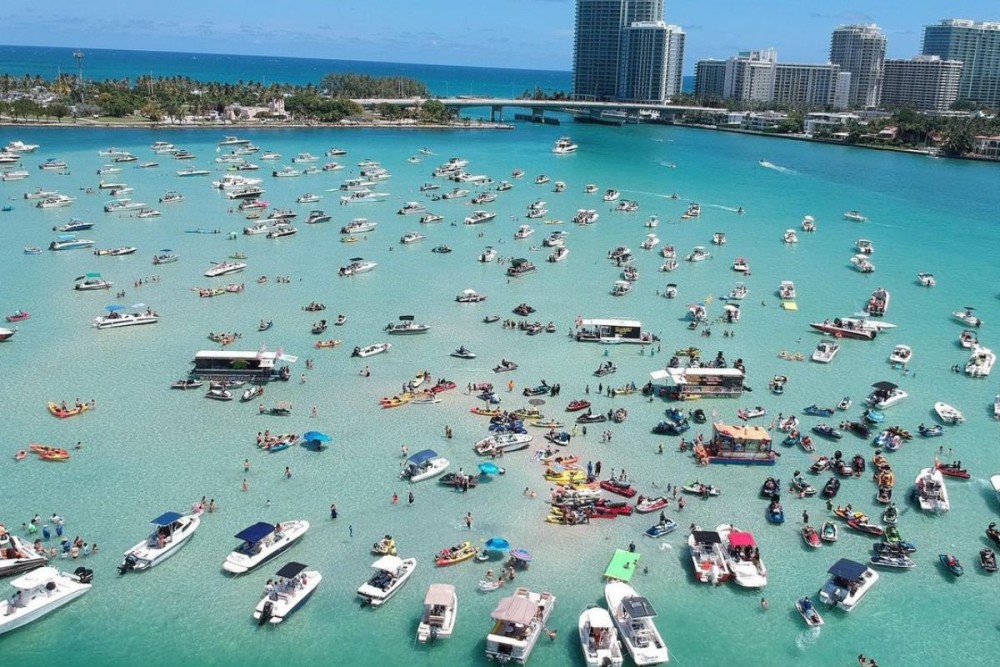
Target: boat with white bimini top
{"points": [[599, 639], [423, 465], [171, 531], [293, 586], [40, 592], [848, 584], [391, 573], [440, 613], [261, 542], [633, 615], [470, 296], [519, 621]]}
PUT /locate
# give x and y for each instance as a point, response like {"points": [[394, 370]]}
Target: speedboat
{"points": [[886, 394], [391, 573], [294, 586], [848, 584], [91, 281], [855, 216], [930, 491], [808, 224], [564, 145], [423, 465], [808, 611], [786, 289], [634, 617], [968, 317], [440, 613], [980, 362], [406, 326], [40, 592], [359, 226], [825, 351], [599, 639], [708, 557], [926, 279], [742, 557], [171, 531], [790, 236], [478, 217], [862, 263], [261, 542], [948, 414], [370, 350], [70, 242], [224, 268], [464, 353], [900, 355], [698, 254], [411, 237], [17, 555]]}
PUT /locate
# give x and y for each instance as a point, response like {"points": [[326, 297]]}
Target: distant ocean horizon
{"points": [[442, 80]]}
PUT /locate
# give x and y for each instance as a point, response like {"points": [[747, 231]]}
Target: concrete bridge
{"points": [[539, 107]]}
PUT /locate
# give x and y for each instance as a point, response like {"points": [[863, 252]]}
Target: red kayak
{"points": [[621, 488], [577, 405]]}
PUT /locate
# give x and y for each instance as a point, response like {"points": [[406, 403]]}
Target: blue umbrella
{"points": [[315, 436], [113, 307], [497, 544], [489, 468]]}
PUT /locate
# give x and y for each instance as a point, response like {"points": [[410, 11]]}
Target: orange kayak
{"points": [[58, 411]]}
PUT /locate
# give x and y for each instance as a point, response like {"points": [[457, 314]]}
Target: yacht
{"points": [[245, 192], [294, 586], [270, 156], [261, 542], [115, 319], [930, 492], [14, 175], [478, 217], [980, 362], [18, 146], [162, 147], [91, 281], [70, 243], [633, 615], [407, 326], [519, 621], [825, 351], [234, 181], [17, 555], [40, 592], [123, 206], [72, 226], [391, 573], [564, 145], [440, 613], [224, 268], [171, 531], [412, 207], [52, 164], [848, 584], [55, 201], [743, 557], [233, 141], [855, 216], [359, 226], [40, 193], [192, 171], [411, 237], [357, 184], [305, 157], [599, 639], [286, 172], [611, 195], [357, 265]]}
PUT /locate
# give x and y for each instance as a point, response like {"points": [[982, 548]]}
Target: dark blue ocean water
{"points": [[101, 64]]}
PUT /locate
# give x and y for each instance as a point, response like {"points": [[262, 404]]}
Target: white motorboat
{"points": [[599, 638], [502, 442], [478, 217], [364, 196], [995, 483], [790, 236], [556, 239], [650, 242], [14, 175], [470, 296], [293, 586], [18, 146], [996, 407], [611, 195], [930, 491], [864, 324], [848, 584], [633, 615], [118, 318], [17, 555], [900, 355], [406, 326], [411, 208], [652, 222], [261, 542], [862, 263], [968, 317], [69, 242], [40, 592], [171, 531], [519, 621], [91, 281], [40, 193], [586, 216], [698, 254], [440, 613], [926, 279], [743, 557], [281, 230], [886, 395], [864, 246], [719, 238], [980, 362], [559, 254], [855, 216], [245, 192], [739, 292], [55, 201], [670, 291], [370, 350], [359, 226], [708, 558], [391, 573], [878, 302], [825, 351], [523, 232], [233, 141], [463, 352], [423, 465], [621, 288], [357, 265], [411, 237], [286, 172], [224, 268], [808, 224], [305, 157], [317, 216], [564, 145], [948, 414], [740, 265]]}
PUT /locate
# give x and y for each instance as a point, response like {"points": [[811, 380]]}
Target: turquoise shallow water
{"points": [[148, 449]]}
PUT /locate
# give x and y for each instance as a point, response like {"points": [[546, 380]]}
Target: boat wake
{"points": [[771, 165], [808, 638], [665, 163], [665, 547], [725, 208]]}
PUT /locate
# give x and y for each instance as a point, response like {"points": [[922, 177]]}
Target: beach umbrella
{"points": [[536, 401], [113, 307], [315, 436], [521, 554], [489, 468], [497, 544]]}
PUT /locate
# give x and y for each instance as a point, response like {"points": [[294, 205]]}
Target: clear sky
{"points": [[524, 34]]}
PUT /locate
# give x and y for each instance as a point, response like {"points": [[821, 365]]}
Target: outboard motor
{"points": [[266, 612], [84, 575], [127, 564]]}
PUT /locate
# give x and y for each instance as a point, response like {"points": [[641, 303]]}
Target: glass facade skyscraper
{"points": [[860, 50], [977, 45]]}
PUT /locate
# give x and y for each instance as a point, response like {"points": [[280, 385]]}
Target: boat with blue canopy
{"points": [[171, 530], [261, 542]]}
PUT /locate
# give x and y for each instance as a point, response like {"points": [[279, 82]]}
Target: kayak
{"points": [[456, 554], [62, 413]]}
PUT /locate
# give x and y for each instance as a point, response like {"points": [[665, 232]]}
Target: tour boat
{"points": [[294, 586], [633, 615], [519, 622], [599, 638], [391, 573], [171, 531], [40, 592], [261, 542], [440, 613]]}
